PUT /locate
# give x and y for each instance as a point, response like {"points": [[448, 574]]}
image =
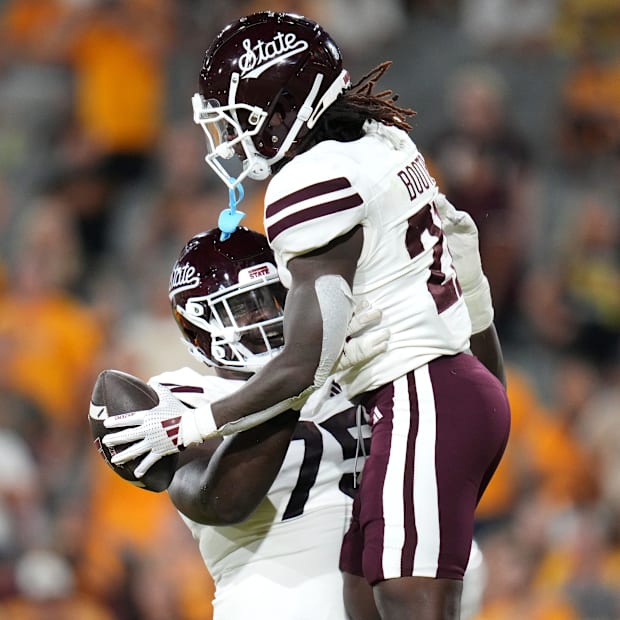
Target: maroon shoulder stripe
{"points": [[312, 191], [311, 213]]}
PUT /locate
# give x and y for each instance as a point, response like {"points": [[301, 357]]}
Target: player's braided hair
{"points": [[344, 119]]}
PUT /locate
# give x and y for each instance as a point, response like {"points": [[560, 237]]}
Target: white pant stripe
{"points": [[425, 494], [394, 532]]}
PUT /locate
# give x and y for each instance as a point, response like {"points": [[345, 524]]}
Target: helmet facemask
{"points": [[226, 138], [244, 322]]}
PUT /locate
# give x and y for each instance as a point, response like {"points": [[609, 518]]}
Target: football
{"points": [[116, 392]]}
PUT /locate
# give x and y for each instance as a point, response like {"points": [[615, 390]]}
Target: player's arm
{"points": [[221, 482], [486, 347], [462, 237], [316, 316], [317, 322]]}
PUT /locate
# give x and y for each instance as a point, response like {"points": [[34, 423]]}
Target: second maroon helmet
{"points": [[227, 299]]}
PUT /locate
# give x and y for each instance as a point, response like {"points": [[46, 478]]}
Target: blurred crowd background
{"points": [[102, 181]]}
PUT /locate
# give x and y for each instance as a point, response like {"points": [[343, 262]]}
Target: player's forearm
{"points": [[279, 387], [317, 314], [225, 488], [285, 383], [486, 347]]}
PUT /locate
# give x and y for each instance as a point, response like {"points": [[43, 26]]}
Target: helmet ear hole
{"points": [[274, 133], [278, 116]]}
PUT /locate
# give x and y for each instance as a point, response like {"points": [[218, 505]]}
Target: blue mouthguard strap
{"points": [[229, 218]]}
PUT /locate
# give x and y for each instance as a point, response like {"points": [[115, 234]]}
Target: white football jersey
{"points": [[379, 182], [283, 561]]}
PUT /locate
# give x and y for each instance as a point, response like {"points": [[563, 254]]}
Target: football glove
{"points": [[462, 236], [359, 346], [157, 432]]}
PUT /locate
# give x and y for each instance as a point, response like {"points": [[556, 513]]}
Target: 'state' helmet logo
{"points": [[264, 54], [182, 278]]}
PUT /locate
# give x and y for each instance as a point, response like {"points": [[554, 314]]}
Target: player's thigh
{"points": [[473, 422], [436, 435]]}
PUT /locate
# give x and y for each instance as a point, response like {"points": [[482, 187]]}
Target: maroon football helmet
{"points": [[265, 81], [227, 299]]}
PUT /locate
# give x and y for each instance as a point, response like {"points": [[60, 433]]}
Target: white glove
{"points": [[462, 236], [359, 346], [157, 432]]}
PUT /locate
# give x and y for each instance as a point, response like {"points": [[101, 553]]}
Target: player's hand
{"points": [[152, 433], [462, 234], [361, 346]]}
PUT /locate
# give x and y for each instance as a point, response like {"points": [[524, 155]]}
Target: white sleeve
{"points": [[304, 213]]}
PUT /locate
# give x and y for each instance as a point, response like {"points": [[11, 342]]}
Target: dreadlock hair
{"points": [[344, 119]]}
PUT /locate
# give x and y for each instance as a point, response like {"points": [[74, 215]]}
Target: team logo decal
{"points": [[264, 54], [182, 278], [256, 272], [97, 412], [376, 416]]}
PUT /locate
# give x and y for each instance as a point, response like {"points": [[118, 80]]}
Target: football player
{"points": [[352, 213], [268, 506]]}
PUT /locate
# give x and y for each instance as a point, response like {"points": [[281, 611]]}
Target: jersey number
{"points": [[421, 232], [339, 426]]}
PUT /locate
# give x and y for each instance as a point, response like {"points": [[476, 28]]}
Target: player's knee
{"points": [[432, 599]]}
